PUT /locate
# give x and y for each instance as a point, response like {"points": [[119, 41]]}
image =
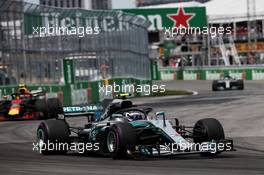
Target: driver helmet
{"points": [[135, 116], [5, 97], [23, 89]]}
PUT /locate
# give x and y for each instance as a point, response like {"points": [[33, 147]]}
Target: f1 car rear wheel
{"points": [[241, 84], [120, 138], [207, 130], [50, 107], [54, 107], [40, 106], [111, 141], [53, 137], [214, 86]]}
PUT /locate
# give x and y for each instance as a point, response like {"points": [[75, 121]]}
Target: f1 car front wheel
{"points": [[214, 86], [120, 138], [53, 137], [111, 141], [207, 130]]}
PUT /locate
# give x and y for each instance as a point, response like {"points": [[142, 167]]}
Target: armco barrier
{"points": [[80, 92], [211, 73]]}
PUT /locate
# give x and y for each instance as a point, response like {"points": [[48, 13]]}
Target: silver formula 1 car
{"points": [[125, 129], [228, 83]]}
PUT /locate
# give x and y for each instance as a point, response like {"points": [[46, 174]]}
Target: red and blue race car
{"points": [[27, 105]]}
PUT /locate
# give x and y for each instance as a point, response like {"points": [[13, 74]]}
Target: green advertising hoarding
{"points": [[258, 74], [161, 18], [68, 70], [211, 73]]}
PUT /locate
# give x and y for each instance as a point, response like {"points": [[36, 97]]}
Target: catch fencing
{"points": [[35, 39]]}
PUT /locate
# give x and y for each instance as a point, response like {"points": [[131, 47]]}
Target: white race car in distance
{"points": [[228, 83]]}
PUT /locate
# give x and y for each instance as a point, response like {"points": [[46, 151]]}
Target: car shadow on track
{"points": [[151, 158]]}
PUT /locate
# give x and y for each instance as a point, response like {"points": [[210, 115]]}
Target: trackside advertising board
{"points": [[70, 19], [258, 74], [245, 73], [161, 18]]}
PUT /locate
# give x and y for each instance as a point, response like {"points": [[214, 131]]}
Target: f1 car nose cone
{"points": [[13, 111]]}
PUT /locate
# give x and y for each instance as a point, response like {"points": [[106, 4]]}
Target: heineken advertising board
{"points": [[213, 74], [172, 17], [190, 75], [103, 20], [114, 21], [237, 74], [68, 70], [258, 74]]}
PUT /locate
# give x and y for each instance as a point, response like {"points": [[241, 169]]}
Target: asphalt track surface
{"points": [[240, 112]]}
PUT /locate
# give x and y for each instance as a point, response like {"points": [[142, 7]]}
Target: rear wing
{"points": [[75, 111], [37, 93]]}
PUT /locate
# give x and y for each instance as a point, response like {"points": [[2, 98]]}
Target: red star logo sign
{"points": [[181, 18]]}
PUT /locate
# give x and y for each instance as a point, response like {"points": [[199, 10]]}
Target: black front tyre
{"points": [[120, 138], [214, 86], [53, 137], [4, 107], [207, 130], [241, 84]]}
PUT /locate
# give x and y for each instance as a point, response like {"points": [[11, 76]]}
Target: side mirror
{"points": [[161, 115]]}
